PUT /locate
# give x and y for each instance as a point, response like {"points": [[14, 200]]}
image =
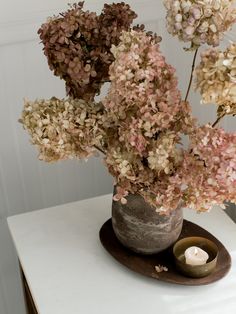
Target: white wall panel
{"points": [[28, 183], [20, 20]]}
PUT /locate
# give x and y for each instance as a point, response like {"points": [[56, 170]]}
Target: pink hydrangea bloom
{"points": [[146, 118], [200, 22], [212, 160]]}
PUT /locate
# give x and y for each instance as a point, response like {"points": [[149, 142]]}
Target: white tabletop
{"points": [[69, 272]]}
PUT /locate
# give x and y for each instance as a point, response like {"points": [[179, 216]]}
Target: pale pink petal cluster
{"points": [[63, 129], [146, 117], [199, 22], [205, 177], [216, 78], [120, 195], [143, 99], [142, 80], [208, 172]]}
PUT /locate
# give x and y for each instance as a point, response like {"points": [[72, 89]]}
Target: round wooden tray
{"points": [[145, 264]]}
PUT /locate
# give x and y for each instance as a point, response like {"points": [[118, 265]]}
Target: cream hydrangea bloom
{"points": [[63, 129], [216, 78]]}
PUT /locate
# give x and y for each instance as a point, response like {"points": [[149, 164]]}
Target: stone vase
{"points": [[140, 228]]}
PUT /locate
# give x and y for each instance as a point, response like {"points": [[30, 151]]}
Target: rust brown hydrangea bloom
{"points": [[77, 45]]}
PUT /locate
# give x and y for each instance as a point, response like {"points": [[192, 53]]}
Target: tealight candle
{"points": [[195, 256], [200, 254]]}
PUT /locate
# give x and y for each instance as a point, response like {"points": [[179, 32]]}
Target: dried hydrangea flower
{"points": [[146, 117], [212, 160], [212, 179], [77, 45], [63, 129], [143, 90], [216, 78], [200, 22]]}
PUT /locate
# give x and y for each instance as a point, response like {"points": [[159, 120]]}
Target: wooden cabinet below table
{"points": [[29, 303]]}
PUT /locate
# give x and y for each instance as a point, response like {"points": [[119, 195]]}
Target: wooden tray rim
{"points": [[162, 276]]}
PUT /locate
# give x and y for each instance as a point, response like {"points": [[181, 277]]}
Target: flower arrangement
{"points": [[139, 124]]}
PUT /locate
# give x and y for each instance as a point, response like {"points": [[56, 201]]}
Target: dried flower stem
{"points": [[100, 149], [218, 120], [191, 77]]}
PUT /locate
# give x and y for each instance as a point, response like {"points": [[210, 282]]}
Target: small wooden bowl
{"points": [[195, 271]]}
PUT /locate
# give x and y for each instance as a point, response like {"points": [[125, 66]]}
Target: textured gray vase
{"points": [[140, 228]]}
